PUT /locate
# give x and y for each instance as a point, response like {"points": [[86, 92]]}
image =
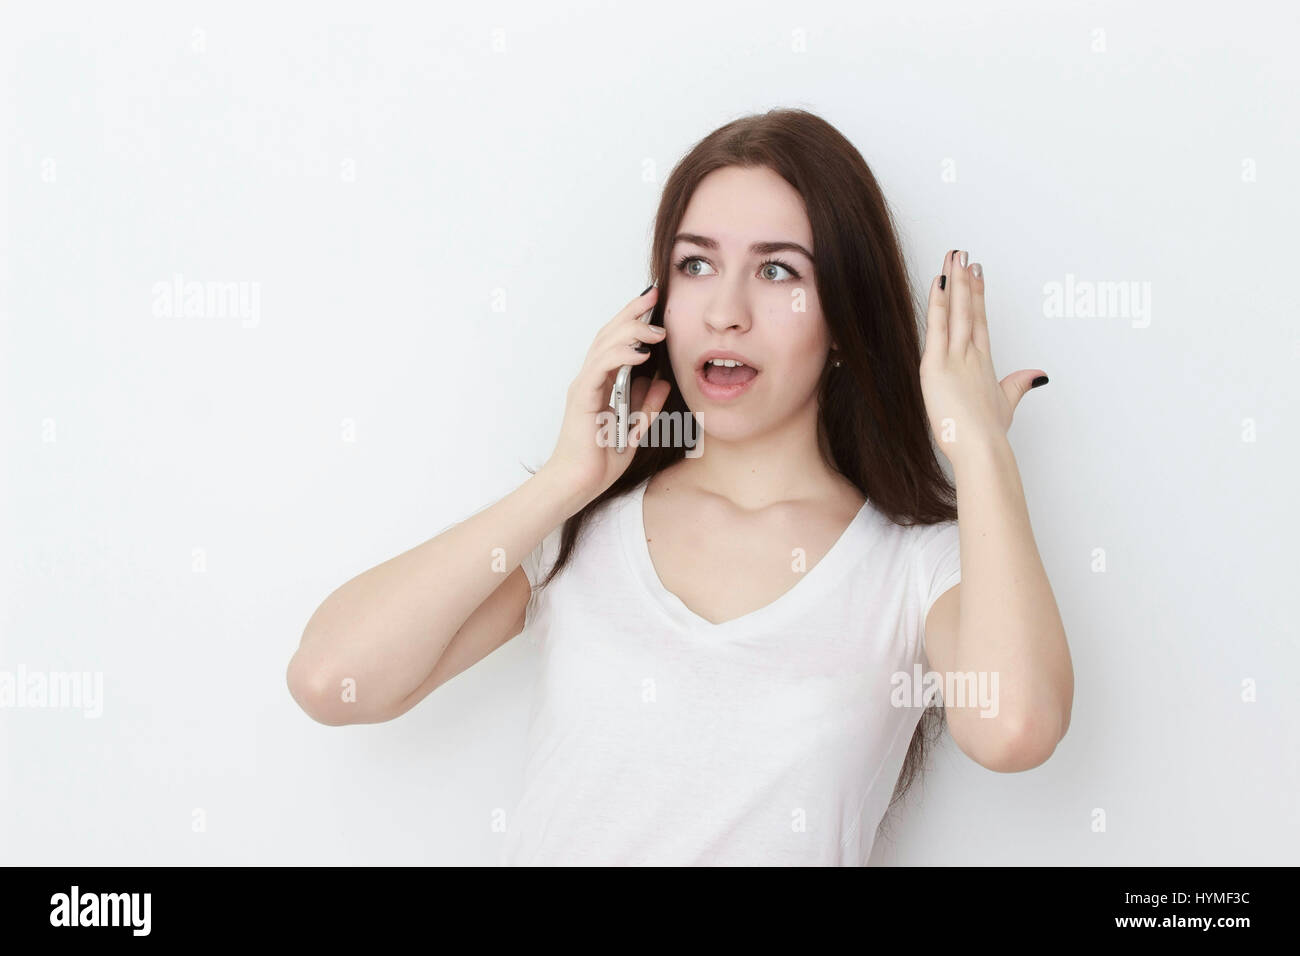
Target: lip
{"points": [[722, 393], [723, 354]]}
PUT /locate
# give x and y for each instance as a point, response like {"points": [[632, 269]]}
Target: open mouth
{"points": [[720, 379], [728, 372]]}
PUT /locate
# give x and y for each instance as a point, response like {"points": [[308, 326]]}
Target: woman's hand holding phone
{"points": [[582, 462]]}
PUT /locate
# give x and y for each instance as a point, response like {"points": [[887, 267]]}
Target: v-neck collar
{"points": [[843, 554]]}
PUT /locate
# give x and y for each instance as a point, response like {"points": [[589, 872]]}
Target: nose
{"points": [[727, 311]]}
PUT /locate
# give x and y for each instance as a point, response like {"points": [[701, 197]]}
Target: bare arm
{"points": [[386, 630], [384, 640], [1002, 620]]}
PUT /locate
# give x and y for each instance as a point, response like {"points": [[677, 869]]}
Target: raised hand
{"points": [[588, 464], [968, 407]]}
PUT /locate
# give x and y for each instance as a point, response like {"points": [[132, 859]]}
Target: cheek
{"points": [[803, 343], [806, 364], [679, 351]]}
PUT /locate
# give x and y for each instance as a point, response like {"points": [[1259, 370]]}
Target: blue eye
{"points": [[775, 264], [683, 265]]}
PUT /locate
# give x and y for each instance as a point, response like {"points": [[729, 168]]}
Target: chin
{"points": [[724, 424]]}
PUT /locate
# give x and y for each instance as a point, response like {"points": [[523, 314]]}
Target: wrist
{"points": [[980, 453], [559, 490]]}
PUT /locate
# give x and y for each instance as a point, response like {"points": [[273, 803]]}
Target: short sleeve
{"points": [[536, 565], [538, 562], [938, 566]]}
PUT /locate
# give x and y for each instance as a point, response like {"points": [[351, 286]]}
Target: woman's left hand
{"points": [[968, 408]]}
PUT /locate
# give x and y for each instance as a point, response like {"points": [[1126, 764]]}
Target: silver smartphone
{"points": [[620, 396]]}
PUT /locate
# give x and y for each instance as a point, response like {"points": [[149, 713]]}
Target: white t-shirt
{"points": [[660, 738]]}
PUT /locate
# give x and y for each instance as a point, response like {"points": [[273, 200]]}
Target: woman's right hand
{"points": [[581, 460]]}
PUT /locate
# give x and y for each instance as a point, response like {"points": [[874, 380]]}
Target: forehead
{"points": [[738, 206]]}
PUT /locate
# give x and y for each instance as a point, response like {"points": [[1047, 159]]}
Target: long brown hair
{"points": [[873, 425]]}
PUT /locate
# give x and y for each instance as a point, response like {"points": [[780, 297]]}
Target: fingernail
{"points": [[943, 281], [1041, 380], [977, 270], [643, 347], [961, 257], [647, 288], [658, 330]]}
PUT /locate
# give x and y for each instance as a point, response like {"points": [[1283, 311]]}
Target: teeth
{"points": [[725, 363]]}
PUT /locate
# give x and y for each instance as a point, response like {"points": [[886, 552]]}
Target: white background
{"points": [[386, 172]]}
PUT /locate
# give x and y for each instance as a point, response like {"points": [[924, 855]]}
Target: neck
{"points": [[782, 464]]}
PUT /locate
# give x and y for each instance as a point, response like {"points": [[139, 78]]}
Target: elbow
{"points": [[315, 691], [1023, 743]]}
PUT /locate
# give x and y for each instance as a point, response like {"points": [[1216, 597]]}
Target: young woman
{"points": [[731, 633]]}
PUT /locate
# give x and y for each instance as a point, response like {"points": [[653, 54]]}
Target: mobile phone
{"points": [[621, 395]]}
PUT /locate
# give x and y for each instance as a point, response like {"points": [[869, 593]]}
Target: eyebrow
{"points": [[758, 248]]}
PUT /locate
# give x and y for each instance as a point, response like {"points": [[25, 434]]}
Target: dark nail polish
{"points": [[1041, 380], [647, 288], [943, 281], [643, 347]]}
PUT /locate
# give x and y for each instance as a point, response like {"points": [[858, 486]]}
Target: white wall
{"points": [[376, 171]]}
